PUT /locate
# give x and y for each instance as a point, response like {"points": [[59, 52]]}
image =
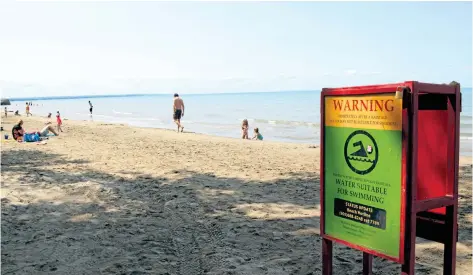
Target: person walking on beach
{"points": [[178, 107], [28, 110], [91, 107], [59, 121]]}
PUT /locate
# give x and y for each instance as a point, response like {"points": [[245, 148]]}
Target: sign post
{"points": [[370, 170]]}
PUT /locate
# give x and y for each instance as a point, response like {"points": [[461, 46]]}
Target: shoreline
{"points": [[83, 122], [467, 154]]}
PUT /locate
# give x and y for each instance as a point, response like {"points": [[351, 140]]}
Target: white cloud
{"points": [[350, 72]]}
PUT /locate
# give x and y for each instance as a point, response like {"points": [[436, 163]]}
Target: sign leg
{"points": [[327, 257], [449, 255], [367, 264], [408, 268]]}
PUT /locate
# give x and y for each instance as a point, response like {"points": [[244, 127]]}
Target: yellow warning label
{"points": [[378, 112]]}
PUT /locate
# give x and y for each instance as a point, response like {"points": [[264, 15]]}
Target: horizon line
{"points": [[158, 94], [150, 94]]}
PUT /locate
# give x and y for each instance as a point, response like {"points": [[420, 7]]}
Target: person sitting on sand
{"points": [[48, 121], [244, 129], [18, 131], [257, 136]]}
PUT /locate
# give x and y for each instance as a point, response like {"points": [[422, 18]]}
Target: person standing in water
{"points": [[91, 107], [178, 107]]}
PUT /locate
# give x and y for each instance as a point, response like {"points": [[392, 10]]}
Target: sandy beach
{"points": [[113, 199]]}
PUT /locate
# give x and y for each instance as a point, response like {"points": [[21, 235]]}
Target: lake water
{"points": [[280, 116]]}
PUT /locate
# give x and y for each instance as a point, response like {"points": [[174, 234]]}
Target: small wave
{"points": [[301, 138], [284, 122], [149, 119], [121, 113], [97, 115], [466, 137]]}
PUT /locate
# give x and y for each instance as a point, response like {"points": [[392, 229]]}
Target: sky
{"points": [[65, 48]]}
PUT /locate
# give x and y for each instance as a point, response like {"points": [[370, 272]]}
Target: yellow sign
{"points": [[378, 112]]}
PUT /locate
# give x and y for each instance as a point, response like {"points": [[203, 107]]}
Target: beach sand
{"points": [[113, 199]]}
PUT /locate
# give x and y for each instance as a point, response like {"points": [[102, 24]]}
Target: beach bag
{"points": [[32, 137]]}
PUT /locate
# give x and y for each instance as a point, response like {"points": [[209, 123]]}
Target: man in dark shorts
{"points": [[178, 111], [91, 107]]}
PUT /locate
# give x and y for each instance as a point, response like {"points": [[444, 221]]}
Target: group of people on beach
{"points": [[17, 113], [178, 113], [27, 110], [19, 134], [245, 127]]}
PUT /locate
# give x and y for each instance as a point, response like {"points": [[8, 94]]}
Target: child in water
{"points": [[257, 136], [59, 121], [244, 129]]}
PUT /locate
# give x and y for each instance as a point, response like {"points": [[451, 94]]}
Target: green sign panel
{"points": [[362, 177]]}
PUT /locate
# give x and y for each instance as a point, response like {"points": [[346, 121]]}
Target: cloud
{"points": [[350, 72]]}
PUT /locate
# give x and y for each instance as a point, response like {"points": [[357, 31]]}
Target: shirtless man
{"points": [[178, 111]]}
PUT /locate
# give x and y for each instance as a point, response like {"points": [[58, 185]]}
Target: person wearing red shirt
{"points": [[59, 121]]}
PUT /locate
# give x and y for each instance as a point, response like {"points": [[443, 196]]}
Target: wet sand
{"points": [[113, 199]]}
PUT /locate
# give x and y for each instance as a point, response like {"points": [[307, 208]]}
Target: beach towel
{"points": [[31, 137]]}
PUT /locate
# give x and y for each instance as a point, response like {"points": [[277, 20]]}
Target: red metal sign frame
{"points": [[429, 216]]}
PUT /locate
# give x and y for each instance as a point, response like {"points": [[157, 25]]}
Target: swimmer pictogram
{"points": [[361, 152]]}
